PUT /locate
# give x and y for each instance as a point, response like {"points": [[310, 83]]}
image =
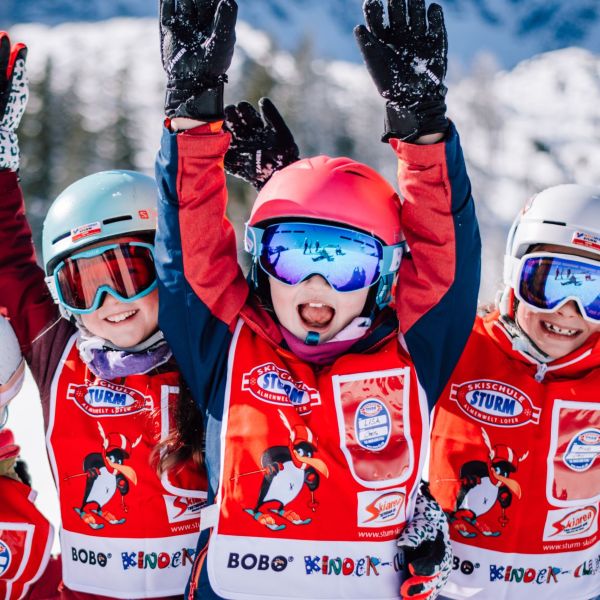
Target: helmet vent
{"points": [[62, 236], [117, 219], [356, 173], [555, 223]]}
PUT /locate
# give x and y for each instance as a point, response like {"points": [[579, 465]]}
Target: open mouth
{"points": [[560, 331], [316, 315], [120, 317]]}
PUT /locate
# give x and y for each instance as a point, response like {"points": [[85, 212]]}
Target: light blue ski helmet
{"points": [[98, 207]]}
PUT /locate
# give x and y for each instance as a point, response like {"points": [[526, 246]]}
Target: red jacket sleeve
{"points": [[24, 293]]}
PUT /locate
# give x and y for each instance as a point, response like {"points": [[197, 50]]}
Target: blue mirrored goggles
{"points": [[126, 271], [348, 259], [546, 281]]}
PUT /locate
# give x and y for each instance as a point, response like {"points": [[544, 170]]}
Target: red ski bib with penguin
{"points": [[515, 463], [318, 469], [125, 532]]}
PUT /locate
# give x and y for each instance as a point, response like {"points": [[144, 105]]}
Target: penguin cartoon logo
{"points": [[286, 470], [482, 485], [106, 475]]}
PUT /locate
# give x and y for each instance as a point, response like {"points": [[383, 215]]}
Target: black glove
{"points": [[197, 40], [407, 60], [427, 549], [261, 143], [14, 92]]}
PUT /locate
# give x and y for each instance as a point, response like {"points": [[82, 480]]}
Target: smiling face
{"points": [[124, 324], [313, 305], [560, 332]]}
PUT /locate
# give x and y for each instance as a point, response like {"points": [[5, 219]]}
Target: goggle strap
{"points": [[253, 240]]}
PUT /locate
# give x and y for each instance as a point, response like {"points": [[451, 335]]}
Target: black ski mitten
{"points": [[407, 60], [197, 38], [427, 549], [261, 142], [14, 92]]}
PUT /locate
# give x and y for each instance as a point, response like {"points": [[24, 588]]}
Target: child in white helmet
{"points": [[515, 458], [315, 407], [109, 387]]}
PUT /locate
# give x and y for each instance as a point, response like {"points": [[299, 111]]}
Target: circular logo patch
{"points": [[5, 557], [372, 424]]}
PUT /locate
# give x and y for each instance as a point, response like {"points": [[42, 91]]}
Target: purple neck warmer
{"points": [[111, 363]]}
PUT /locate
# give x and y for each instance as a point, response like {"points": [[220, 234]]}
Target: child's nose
{"points": [[569, 309], [316, 281]]}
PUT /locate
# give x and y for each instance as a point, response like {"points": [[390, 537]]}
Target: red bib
{"points": [[125, 533], [516, 464], [318, 472]]}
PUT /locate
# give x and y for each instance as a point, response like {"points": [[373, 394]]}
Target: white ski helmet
{"points": [[564, 215], [12, 367]]}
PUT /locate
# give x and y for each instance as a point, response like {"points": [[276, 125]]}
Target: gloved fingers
{"points": [[235, 122], [273, 118], [397, 16], [370, 47], [415, 591], [203, 12], [224, 22], [417, 586], [251, 118], [438, 35], [167, 12], [416, 13], [373, 11], [18, 52], [4, 57]]}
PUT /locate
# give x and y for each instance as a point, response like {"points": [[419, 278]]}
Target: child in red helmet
{"points": [[315, 399]]}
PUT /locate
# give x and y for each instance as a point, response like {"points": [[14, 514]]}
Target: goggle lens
{"points": [[125, 269], [547, 282], [347, 259]]}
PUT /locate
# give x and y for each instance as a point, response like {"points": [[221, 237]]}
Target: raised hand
{"points": [[197, 42], [407, 60], [261, 142], [14, 91]]}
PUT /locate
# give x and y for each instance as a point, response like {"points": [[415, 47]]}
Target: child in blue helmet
{"points": [[315, 405], [109, 387]]}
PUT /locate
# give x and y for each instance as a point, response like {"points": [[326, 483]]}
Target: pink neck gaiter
{"points": [[326, 353]]}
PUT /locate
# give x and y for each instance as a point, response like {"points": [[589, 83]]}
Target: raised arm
{"points": [[201, 287], [439, 280], [24, 292]]}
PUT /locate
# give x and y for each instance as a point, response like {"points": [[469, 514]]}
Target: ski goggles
{"points": [[126, 271], [349, 260], [547, 281]]}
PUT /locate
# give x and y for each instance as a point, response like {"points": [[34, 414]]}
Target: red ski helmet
{"points": [[338, 190]]}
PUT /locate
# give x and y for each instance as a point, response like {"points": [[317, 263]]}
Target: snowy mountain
{"points": [[510, 29]]}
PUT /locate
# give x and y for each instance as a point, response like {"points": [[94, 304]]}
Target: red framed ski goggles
{"points": [[126, 271], [348, 259], [546, 281]]}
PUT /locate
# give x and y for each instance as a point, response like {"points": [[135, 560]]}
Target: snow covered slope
{"points": [[510, 29]]}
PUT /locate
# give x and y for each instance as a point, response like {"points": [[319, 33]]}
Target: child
{"points": [[316, 416], [25, 535], [107, 382], [515, 457]]}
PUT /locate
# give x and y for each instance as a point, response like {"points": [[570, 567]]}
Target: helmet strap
{"points": [[312, 338], [521, 342]]}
